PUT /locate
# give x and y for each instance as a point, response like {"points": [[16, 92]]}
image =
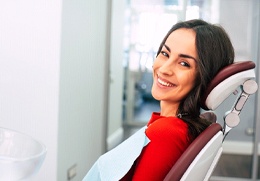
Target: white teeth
{"points": [[165, 83]]}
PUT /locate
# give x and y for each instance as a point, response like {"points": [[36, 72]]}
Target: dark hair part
{"points": [[215, 51]]}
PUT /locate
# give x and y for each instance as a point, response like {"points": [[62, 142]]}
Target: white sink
{"points": [[21, 156]]}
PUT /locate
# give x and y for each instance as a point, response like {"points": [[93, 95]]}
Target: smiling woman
{"points": [[190, 55], [175, 70]]}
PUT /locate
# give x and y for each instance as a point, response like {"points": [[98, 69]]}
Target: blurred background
{"points": [[77, 76]]}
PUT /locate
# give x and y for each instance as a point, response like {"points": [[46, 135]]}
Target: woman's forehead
{"points": [[183, 41]]}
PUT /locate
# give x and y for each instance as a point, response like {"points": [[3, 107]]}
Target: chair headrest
{"points": [[226, 82]]}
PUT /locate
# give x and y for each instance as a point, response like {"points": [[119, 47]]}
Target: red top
{"points": [[169, 139]]}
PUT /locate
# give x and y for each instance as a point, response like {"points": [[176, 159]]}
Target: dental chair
{"points": [[199, 160]]}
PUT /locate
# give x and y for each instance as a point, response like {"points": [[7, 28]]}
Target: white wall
{"points": [[83, 79], [29, 73], [238, 23], [53, 66], [115, 130]]}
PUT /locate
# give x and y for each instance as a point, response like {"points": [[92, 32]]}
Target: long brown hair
{"points": [[215, 51]]}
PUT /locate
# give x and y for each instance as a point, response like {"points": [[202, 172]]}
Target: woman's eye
{"points": [[185, 64], [164, 54]]}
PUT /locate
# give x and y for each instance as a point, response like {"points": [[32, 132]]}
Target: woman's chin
{"points": [[156, 96]]}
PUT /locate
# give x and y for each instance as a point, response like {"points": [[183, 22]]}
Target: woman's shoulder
{"points": [[167, 127], [162, 120], [169, 122]]}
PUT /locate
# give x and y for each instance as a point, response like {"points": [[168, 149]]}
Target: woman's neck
{"points": [[169, 108]]}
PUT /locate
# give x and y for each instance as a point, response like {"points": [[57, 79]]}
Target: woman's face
{"points": [[175, 68]]}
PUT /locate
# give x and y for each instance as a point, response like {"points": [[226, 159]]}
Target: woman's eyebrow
{"points": [[181, 55], [167, 48], [188, 56]]}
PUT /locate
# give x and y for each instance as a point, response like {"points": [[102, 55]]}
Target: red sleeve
{"points": [[168, 141]]}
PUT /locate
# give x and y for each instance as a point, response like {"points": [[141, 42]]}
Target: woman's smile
{"points": [[164, 82]]}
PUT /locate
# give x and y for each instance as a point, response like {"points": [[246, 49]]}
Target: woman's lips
{"points": [[164, 82]]}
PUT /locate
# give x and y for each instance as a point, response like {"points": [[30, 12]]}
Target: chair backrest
{"points": [[183, 163], [200, 158]]}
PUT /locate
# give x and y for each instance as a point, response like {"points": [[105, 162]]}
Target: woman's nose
{"points": [[167, 68]]}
